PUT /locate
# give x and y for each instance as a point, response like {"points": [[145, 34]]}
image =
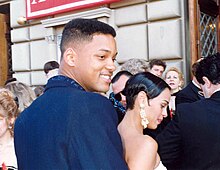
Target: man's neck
{"points": [[217, 89], [213, 89]]}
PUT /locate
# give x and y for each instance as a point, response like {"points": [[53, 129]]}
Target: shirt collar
{"points": [[196, 84]]}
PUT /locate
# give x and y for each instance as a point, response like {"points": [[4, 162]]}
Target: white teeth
{"points": [[105, 77]]}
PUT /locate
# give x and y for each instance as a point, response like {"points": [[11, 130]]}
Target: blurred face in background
{"points": [[157, 70], [173, 80], [118, 86]]}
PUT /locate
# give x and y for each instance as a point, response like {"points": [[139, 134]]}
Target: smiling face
{"points": [[157, 109], [93, 63], [173, 80]]}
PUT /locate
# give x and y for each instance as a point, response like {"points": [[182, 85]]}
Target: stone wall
{"points": [[145, 29]]}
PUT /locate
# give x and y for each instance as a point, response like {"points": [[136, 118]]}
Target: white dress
{"points": [[7, 155], [160, 167]]}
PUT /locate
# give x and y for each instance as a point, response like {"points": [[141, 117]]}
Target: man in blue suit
{"points": [[69, 126], [191, 140]]}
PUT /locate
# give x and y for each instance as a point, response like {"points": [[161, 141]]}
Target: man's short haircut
{"points": [[157, 62], [194, 67], [50, 65], [80, 30], [119, 74], [209, 67]]}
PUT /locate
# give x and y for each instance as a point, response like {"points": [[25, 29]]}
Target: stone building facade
{"points": [[146, 29]]}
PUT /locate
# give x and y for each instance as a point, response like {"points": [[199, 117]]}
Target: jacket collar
{"points": [[216, 94], [62, 81]]}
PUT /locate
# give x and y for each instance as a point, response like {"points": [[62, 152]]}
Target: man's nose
{"points": [[111, 65]]}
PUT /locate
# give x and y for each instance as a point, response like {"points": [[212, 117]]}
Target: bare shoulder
{"points": [[149, 143], [145, 154], [145, 142]]}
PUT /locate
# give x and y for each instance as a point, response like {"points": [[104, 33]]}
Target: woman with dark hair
{"points": [[147, 99]]}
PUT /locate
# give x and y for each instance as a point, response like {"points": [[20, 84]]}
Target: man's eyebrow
{"points": [[103, 49], [108, 51]]}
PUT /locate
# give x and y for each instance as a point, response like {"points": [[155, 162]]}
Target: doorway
{"points": [[204, 28], [5, 47]]}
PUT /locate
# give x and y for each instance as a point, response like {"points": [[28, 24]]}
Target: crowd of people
{"points": [[148, 121]]}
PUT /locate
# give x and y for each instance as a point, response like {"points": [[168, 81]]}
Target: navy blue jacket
{"points": [[68, 128]]}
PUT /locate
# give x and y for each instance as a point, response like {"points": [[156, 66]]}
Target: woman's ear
{"points": [[70, 57], [141, 97], [11, 120], [181, 83]]}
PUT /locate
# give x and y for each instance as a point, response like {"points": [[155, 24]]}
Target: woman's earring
{"points": [[144, 121], [10, 127]]}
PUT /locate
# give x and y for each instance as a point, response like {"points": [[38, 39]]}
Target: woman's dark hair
{"points": [[145, 81]]}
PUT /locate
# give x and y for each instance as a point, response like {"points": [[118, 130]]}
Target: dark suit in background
{"points": [[192, 139], [189, 94]]}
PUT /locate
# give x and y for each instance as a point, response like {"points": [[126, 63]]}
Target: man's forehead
{"points": [[158, 67]]}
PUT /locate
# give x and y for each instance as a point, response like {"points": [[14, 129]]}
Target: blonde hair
{"points": [[23, 92], [180, 75], [9, 105]]}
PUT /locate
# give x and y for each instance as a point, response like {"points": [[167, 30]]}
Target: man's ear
{"points": [[70, 57], [207, 82]]}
